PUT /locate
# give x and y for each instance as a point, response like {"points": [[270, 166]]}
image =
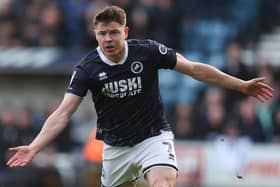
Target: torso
{"points": [[126, 95]]}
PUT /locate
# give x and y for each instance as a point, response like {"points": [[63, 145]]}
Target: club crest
{"points": [[136, 67]]}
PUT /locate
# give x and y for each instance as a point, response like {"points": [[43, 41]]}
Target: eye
{"points": [[102, 33], [114, 32]]}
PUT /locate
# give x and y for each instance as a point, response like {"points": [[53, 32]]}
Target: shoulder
{"points": [[150, 46], [89, 59], [146, 43]]}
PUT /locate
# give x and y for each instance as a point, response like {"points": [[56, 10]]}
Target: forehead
{"points": [[108, 26]]}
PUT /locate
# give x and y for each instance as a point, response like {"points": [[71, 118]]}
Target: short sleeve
{"points": [[79, 82], [164, 57]]}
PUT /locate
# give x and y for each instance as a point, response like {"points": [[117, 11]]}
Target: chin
{"points": [[110, 54]]}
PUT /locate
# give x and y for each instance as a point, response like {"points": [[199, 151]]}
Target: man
{"points": [[122, 76]]}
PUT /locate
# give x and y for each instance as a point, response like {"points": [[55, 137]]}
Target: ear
{"points": [[126, 29]]}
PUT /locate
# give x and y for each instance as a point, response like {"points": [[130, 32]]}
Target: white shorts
{"points": [[126, 164]]}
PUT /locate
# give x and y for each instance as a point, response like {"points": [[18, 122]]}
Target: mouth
{"points": [[109, 48]]}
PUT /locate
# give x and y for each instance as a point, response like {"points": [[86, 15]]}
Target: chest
{"points": [[132, 78]]}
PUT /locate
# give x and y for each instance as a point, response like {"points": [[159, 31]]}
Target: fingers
{"points": [[266, 87], [260, 98], [263, 92], [259, 79], [14, 149], [11, 161], [260, 82], [15, 162], [267, 94], [263, 96], [23, 164], [19, 163]]}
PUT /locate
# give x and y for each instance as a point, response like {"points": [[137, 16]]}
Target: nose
{"points": [[108, 38]]}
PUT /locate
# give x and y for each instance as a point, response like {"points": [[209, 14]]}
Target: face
{"points": [[111, 39]]}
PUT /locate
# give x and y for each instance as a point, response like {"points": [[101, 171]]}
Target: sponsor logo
{"points": [[162, 49], [123, 88], [136, 67]]}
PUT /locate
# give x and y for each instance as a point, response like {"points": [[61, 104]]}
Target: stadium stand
{"points": [[41, 41]]}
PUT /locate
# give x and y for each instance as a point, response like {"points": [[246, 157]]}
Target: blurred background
{"points": [[220, 134]]}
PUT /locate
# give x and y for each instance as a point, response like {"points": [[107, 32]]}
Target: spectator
{"points": [[265, 110], [248, 122], [236, 67], [184, 128], [211, 121], [141, 23], [54, 31], [165, 29], [25, 126], [8, 134]]}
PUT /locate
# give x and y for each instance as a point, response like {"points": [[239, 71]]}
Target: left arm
{"points": [[209, 74]]}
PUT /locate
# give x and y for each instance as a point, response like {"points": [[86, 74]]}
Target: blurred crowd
{"points": [[181, 24], [211, 31], [203, 112], [19, 126]]}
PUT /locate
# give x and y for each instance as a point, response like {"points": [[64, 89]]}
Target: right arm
{"points": [[55, 123]]}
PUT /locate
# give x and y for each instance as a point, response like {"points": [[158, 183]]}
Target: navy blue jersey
{"points": [[126, 94]]}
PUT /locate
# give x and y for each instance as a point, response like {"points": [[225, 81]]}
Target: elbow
{"points": [[206, 73], [197, 72]]}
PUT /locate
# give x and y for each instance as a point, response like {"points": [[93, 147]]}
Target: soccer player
{"points": [[122, 76]]}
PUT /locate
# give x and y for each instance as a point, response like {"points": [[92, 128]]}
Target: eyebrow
{"points": [[113, 30]]}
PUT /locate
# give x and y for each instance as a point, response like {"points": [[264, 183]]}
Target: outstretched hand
{"points": [[23, 155], [258, 89]]}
